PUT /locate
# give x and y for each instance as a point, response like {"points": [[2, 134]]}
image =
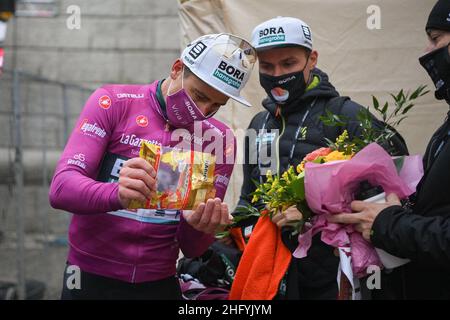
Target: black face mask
{"points": [[284, 89], [437, 64]]}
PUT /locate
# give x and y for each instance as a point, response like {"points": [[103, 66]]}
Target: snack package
{"points": [[184, 178]]}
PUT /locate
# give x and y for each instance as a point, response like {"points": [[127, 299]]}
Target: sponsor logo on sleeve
{"points": [[78, 160], [91, 129], [104, 102], [142, 121]]}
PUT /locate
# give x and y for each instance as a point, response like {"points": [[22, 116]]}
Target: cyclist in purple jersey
{"points": [[123, 254]]}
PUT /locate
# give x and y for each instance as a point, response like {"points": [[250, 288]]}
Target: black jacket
{"points": [[421, 232], [313, 277]]}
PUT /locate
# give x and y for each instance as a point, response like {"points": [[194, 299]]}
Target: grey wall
{"points": [[120, 41]]}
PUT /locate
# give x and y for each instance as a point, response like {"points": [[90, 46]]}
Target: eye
{"points": [[435, 38], [265, 66], [289, 63], [200, 98]]}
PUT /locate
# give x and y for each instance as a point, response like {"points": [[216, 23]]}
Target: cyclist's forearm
{"points": [[78, 194]]}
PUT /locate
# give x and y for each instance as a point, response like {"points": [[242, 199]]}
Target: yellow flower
{"points": [[291, 170], [269, 176], [301, 167], [275, 183], [337, 155], [255, 198], [342, 138]]}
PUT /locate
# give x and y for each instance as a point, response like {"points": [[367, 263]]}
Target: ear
{"points": [[177, 69], [313, 57]]}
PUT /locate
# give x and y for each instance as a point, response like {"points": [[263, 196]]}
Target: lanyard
{"points": [[297, 133]]}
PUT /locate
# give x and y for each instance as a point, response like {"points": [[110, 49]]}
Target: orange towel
{"points": [[263, 264], [236, 235]]}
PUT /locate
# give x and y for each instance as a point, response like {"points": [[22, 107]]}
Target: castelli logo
{"points": [[104, 102], [142, 121]]}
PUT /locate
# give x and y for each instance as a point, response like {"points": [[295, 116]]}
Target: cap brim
{"points": [[284, 45], [236, 98], [242, 101]]}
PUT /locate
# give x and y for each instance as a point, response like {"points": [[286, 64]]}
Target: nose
{"points": [[277, 71], [430, 47], [213, 108], [207, 108]]}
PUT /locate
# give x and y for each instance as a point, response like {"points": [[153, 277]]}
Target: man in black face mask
{"points": [[420, 232], [289, 129]]}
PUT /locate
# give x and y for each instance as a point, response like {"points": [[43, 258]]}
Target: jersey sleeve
{"points": [[74, 187]]}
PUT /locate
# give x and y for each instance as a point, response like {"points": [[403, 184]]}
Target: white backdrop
{"points": [[360, 61]]}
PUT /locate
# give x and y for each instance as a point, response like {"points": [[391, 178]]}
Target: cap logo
{"points": [[306, 32], [269, 35], [232, 76], [197, 50]]}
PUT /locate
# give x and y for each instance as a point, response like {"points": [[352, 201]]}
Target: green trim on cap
{"points": [[222, 76]]}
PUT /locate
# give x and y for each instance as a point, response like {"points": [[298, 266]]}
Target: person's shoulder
{"points": [[218, 126], [258, 119], [128, 91], [343, 105]]}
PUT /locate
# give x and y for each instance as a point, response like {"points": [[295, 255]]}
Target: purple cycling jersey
{"points": [[132, 246]]}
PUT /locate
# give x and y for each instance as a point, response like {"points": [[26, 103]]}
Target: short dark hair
{"points": [[187, 72]]}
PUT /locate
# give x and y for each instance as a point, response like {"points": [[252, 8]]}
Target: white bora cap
{"points": [[282, 32], [223, 61]]}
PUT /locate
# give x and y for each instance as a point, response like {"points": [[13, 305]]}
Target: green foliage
{"points": [[392, 117]]}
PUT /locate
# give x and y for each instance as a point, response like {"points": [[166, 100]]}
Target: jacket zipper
{"points": [[278, 143]]}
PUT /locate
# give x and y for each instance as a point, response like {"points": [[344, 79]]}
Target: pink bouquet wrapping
{"points": [[330, 188]]}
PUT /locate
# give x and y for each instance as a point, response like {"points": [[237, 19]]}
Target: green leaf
{"points": [[376, 105], [393, 96], [298, 188], [330, 143], [419, 92], [424, 93], [399, 163], [399, 121], [248, 210], [416, 93], [256, 182], [221, 235], [400, 96], [407, 108], [385, 108]]}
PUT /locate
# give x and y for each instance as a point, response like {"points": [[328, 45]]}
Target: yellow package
{"points": [[184, 178]]}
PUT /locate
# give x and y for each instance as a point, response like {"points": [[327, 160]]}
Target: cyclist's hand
{"points": [[137, 181], [209, 217]]}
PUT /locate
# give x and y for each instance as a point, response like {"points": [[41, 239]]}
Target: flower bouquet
{"points": [[326, 182]]}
